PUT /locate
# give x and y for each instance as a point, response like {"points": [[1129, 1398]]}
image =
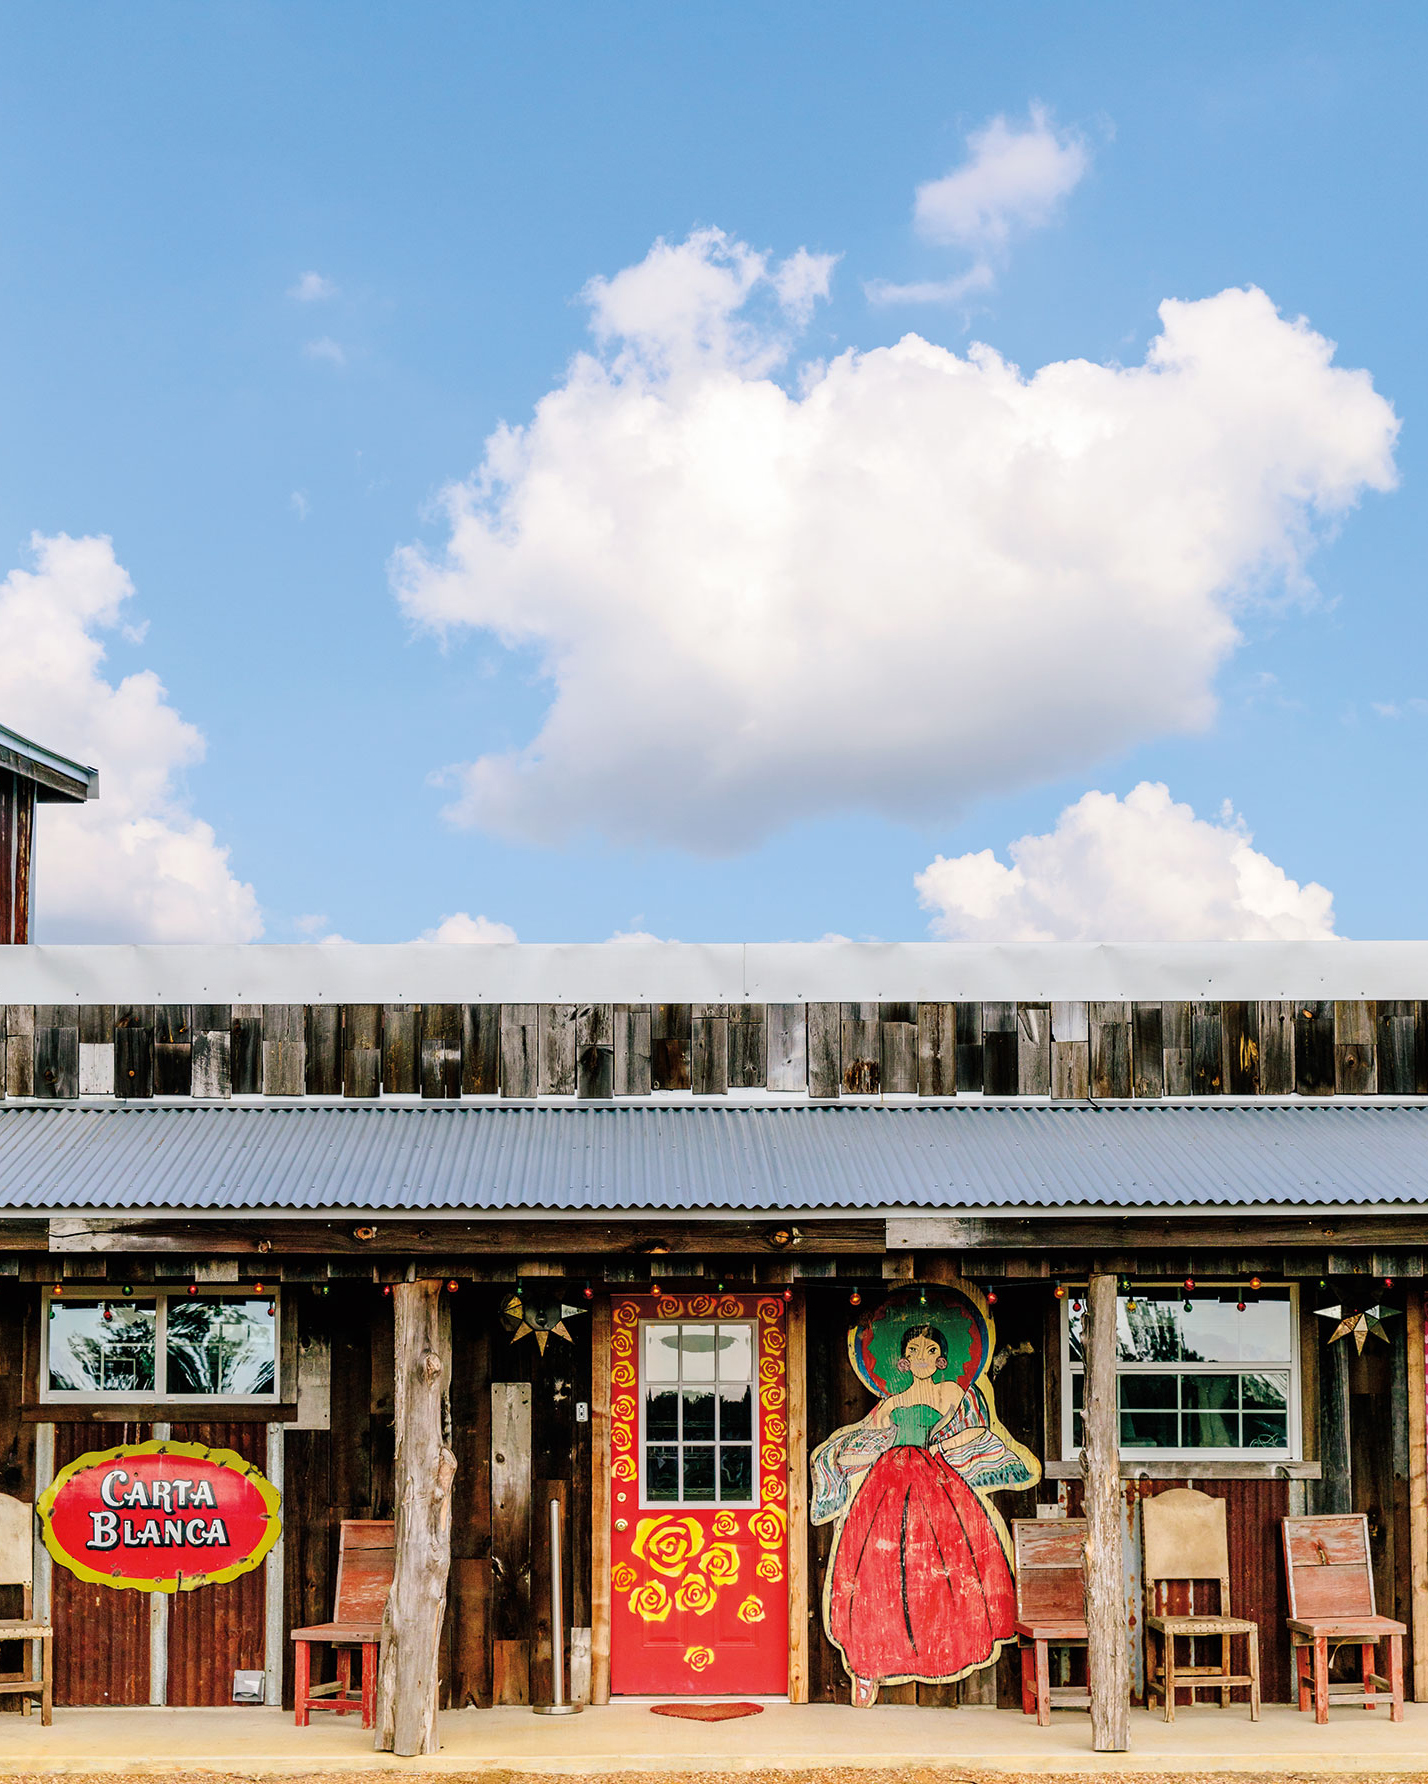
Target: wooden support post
{"points": [[1106, 1656], [1336, 1486], [425, 1469], [798, 1606], [1417, 1491]]}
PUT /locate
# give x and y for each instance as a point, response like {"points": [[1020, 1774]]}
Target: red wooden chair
{"points": [[1050, 1557], [366, 1561], [1331, 1600]]}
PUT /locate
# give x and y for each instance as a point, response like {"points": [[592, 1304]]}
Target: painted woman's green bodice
{"points": [[912, 1424]]}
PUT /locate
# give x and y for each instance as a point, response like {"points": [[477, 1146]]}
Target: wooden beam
{"points": [[1106, 1656], [1417, 1490], [1336, 1484], [374, 1236], [1190, 1232], [425, 1468], [798, 1606], [600, 1501]]}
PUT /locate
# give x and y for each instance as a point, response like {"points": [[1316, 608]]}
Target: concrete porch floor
{"points": [[786, 1742]]}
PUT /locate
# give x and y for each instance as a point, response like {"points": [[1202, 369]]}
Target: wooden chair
{"points": [[366, 1561], [1050, 1557], [1331, 1599], [17, 1568], [1183, 1533]]}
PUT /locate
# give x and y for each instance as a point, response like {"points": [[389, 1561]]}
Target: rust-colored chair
{"points": [[1185, 1541], [366, 1560], [17, 1568], [1050, 1557], [1331, 1603]]}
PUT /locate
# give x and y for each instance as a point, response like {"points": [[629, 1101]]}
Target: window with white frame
{"points": [[699, 1418], [1212, 1371], [160, 1346]]}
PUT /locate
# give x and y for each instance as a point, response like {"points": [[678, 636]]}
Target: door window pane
{"points": [[221, 1347], [736, 1353], [698, 1416], [661, 1415], [661, 1353], [662, 1472], [101, 1347], [736, 1413], [736, 1472], [698, 1352], [698, 1471]]}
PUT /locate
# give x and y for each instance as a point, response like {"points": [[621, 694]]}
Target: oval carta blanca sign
{"points": [[160, 1517]]}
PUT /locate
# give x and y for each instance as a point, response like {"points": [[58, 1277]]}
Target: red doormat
{"points": [[707, 1712]]}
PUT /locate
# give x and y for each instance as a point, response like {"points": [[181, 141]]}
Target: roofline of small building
{"points": [[715, 972], [57, 779]]}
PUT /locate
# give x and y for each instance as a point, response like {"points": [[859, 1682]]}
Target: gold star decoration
{"points": [[1358, 1324], [524, 1317]]}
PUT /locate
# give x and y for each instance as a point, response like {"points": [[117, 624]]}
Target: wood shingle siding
{"points": [[825, 1051]]}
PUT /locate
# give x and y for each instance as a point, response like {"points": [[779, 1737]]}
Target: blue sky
{"points": [[456, 175]]}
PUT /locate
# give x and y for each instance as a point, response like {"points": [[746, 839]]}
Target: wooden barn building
{"points": [[440, 1235]]}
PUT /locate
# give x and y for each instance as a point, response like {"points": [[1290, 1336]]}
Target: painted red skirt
{"points": [[921, 1586]]}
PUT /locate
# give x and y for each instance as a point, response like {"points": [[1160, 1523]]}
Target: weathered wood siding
{"points": [[825, 1051]]}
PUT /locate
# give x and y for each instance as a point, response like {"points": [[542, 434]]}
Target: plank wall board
{"points": [[1110, 1028], [1147, 1050], [1070, 1052], [1207, 1049], [999, 1050], [595, 1051], [324, 1057], [173, 1050], [1355, 1054], [1276, 1048], [511, 1484], [555, 1032], [709, 1050], [1395, 1041], [57, 1050], [1314, 1048], [1241, 1046], [284, 1050], [936, 1049], [247, 1050], [1033, 1049], [480, 1049], [361, 1050], [970, 1069], [212, 1073], [520, 1050], [440, 1043], [670, 1042], [1177, 1036], [133, 1051], [632, 1045], [401, 1050], [861, 1064], [787, 1043], [825, 1050], [1420, 1051], [899, 1054], [748, 1047], [96, 1050]]}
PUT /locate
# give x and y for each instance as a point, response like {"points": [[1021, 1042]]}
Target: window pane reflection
{"points": [[103, 1347], [221, 1347]]}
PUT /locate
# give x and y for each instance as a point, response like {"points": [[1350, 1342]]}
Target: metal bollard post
{"points": [[559, 1706]]}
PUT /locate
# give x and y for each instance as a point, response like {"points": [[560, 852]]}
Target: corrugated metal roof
{"points": [[622, 1158]]}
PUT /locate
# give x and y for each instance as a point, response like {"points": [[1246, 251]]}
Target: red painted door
{"points": [[699, 1497]]}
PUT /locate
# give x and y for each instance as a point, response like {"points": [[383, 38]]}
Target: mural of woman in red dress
{"points": [[919, 1583]]}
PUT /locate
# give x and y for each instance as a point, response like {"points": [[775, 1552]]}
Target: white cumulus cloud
{"points": [[312, 288], [462, 927], [137, 865], [894, 582], [1013, 180], [1138, 869]]}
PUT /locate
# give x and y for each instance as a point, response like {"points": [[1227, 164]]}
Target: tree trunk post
{"points": [[1106, 1656], [425, 1468]]}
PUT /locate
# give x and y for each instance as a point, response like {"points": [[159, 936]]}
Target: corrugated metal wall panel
{"points": [[101, 1645], [217, 1629]]}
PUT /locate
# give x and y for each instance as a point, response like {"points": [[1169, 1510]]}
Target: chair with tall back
{"points": [[366, 1561], [1331, 1601], [17, 1568], [1050, 1556], [1185, 1542]]}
